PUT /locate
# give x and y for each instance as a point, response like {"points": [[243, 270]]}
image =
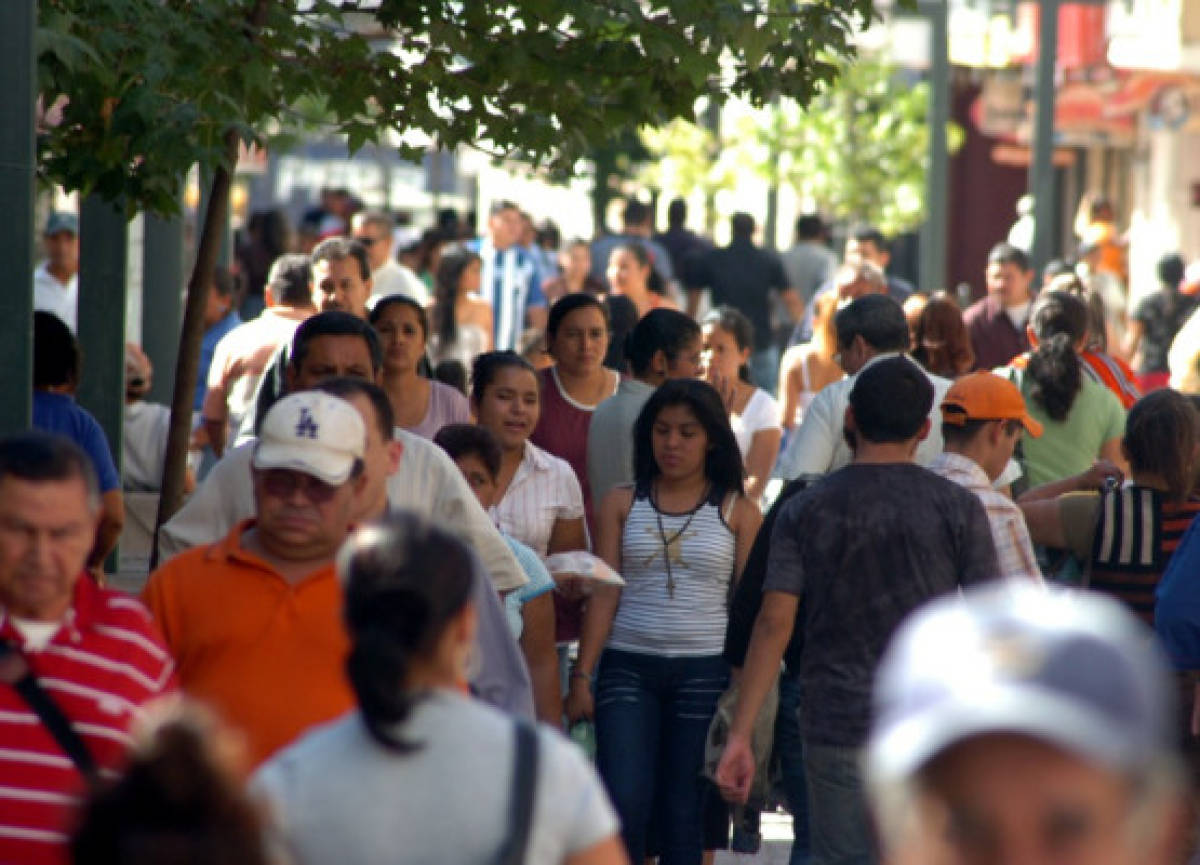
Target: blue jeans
{"points": [[839, 824], [652, 717], [764, 369], [790, 748]]}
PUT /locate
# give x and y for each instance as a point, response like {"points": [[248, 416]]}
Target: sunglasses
{"points": [[282, 484]]}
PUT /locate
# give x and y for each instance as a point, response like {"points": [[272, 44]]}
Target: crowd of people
{"points": [[501, 548]]}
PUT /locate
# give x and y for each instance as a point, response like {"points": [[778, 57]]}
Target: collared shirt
{"points": [[511, 283], [241, 357], [994, 337], [268, 653], [1014, 549], [102, 666], [543, 491], [610, 437], [50, 295], [818, 447]]}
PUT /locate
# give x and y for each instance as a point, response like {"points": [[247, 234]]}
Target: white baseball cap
{"points": [[1073, 669], [314, 433]]}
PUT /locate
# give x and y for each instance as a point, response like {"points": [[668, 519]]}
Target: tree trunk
{"points": [[191, 335]]}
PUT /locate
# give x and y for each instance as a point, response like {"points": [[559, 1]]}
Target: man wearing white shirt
{"points": [[373, 229], [56, 280], [869, 329]]}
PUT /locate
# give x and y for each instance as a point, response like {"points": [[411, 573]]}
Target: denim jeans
{"points": [[764, 369], [652, 718], [790, 748], [839, 825]]}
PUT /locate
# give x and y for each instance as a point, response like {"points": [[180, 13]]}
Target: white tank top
{"points": [[702, 551]]}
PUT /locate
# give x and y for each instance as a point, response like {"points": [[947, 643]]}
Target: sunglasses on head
{"points": [[283, 483]]}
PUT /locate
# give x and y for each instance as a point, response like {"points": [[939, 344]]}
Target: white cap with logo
{"points": [[314, 433]]}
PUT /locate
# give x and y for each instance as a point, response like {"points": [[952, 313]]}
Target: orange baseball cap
{"points": [[986, 396]]}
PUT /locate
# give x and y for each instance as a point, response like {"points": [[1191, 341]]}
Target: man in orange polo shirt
{"points": [[254, 620]]}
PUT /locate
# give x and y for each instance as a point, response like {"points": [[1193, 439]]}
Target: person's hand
{"points": [[1102, 473], [735, 771], [580, 705], [725, 386]]}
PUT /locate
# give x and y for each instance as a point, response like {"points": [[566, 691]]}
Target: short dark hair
{"points": [[723, 462], [665, 330], [869, 234], [40, 456], [810, 226], [677, 213], [636, 213], [570, 303], [290, 279], [1006, 253], [464, 439], [334, 322], [958, 434], [878, 319], [1171, 269], [891, 398], [1160, 439], [345, 387], [56, 356], [500, 206], [742, 226], [488, 365], [341, 248], [383, 303]]}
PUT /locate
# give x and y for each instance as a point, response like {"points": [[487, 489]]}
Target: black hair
{"points": [[570, 303], [810, 226], [225, 282], [501, 206], [452, 372], [290, 280], [1170, 270], [56, 356], [742, 226], [734, 323], [636, 213], [891, 398], [175, 801], [667, 330], [453, 264], [1161, 434], [676, 213], [405, 580], [723, 462], [1059, 320], [488, 365], [465, 439], [40, 456], [334, 323], [878, 319], [383, 303], [1006, 253], [956, 434], [869, 234], [345, 387], [340, 248], [654, 281]]}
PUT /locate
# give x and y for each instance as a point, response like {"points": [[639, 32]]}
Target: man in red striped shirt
{"points": [[94, 652]]}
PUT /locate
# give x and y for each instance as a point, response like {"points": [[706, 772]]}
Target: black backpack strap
{"points": [[57, 724], [524, 785]]}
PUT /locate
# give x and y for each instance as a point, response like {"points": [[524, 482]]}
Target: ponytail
{"points": [[1055, 376]]}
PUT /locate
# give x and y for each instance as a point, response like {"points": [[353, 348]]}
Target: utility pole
{"points": [[933, 233], [18, 19], [1041, 169]]}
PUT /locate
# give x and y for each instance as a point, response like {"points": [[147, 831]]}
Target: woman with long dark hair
{"points": [[421, 405], [631, 273], [652, 649], [419, 739], [461, 319], [1082, 421]]}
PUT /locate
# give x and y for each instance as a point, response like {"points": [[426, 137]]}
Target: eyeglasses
{"points": [[365, 240], [283, 483]]}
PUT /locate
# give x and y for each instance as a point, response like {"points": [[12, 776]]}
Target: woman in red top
{"points": [[576, 337]]}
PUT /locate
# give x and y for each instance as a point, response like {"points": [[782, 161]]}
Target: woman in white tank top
{"points": [[679, 537]]}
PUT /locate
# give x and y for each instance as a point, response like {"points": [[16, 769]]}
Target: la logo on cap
{"points": [[306, 427]]}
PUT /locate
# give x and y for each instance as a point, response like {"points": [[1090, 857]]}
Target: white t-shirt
{"points": [[760, 413], [144, 448], [336, 795], [50, 295]]}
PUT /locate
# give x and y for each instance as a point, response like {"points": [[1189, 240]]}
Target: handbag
{"points": [[15, 671]]}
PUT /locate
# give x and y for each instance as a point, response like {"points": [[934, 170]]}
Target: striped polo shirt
{"points": [[101, 667]]}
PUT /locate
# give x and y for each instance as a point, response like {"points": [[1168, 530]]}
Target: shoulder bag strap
{"points": [[524, 785], [17, 673]]}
